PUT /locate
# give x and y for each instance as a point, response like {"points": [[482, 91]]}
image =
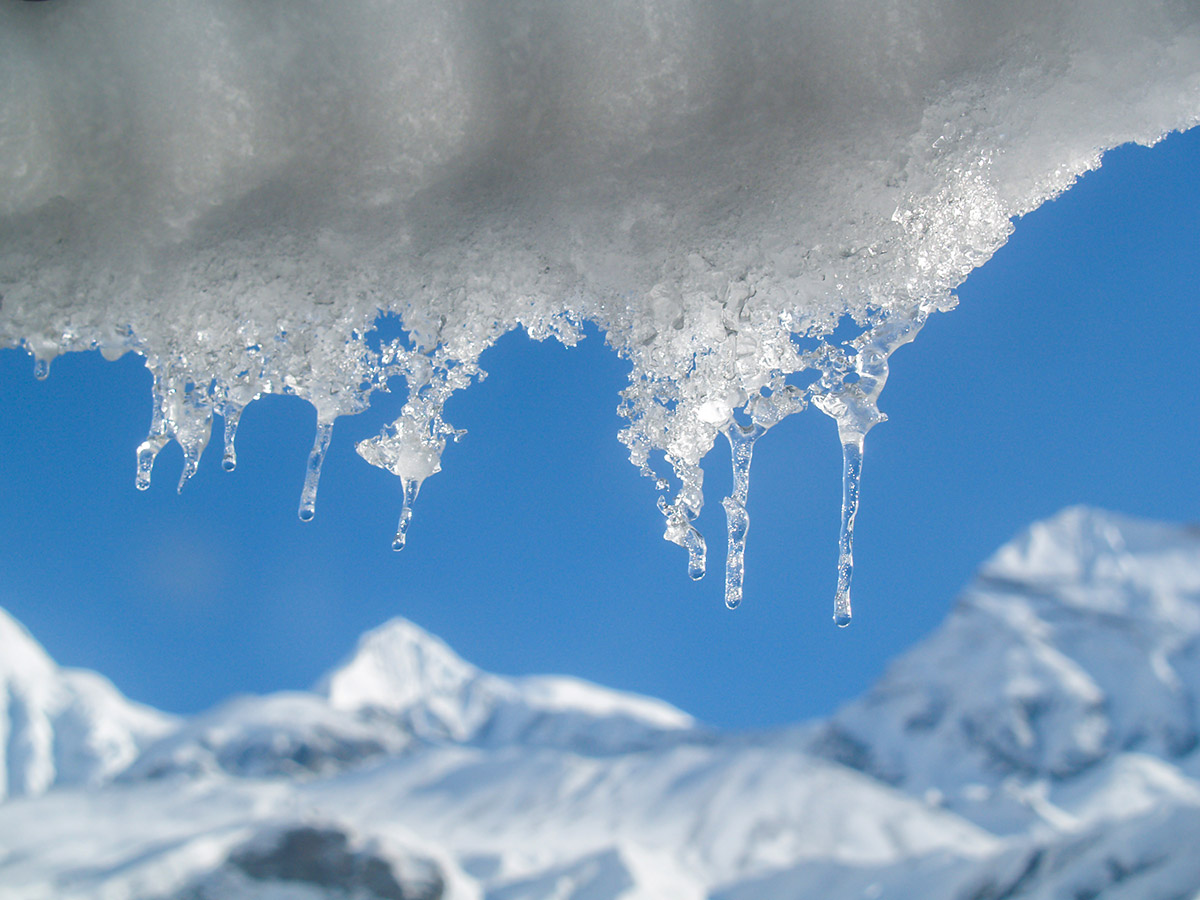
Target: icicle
{"points": [[411, 488], [308, 497], [191, 462], [741, 446], [41, 368], [693, 542], [852, 455], [148, 449], [192, 432], [681, 531], [233, 415], [146, 453]]}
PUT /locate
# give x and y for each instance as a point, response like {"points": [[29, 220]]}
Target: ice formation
{"points": [[239, 192]]}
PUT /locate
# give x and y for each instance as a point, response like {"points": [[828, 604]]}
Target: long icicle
{"points": [[741, 446], [852, 457], [308, 497]]}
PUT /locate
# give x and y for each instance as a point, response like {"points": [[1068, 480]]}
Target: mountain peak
{"points": [[1082, 544], [394, 667], [407, 673], [21, 656]]}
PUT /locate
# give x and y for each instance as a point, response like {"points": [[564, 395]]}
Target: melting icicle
{"points": [[147, 451], [741, 445], [681, 531], [697, 552], [191, 462], [308, 497], [852, 455], [411, 489], [233, 415]]}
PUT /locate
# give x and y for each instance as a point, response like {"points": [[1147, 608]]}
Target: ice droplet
{"points": [[41, 368], [308, 496], [741, 446], [233, 415], [411, 488], [852, 455]]}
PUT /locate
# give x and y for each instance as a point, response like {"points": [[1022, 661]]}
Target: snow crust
{"points": [[240, 193]]}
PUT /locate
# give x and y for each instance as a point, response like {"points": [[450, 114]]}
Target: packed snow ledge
{"points": [[244, 195]]}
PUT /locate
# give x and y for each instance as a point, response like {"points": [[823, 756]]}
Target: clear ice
{"points": [[411, 487], [741, 448], [233, 415], [756, 204], [312, 475], [852, 456]]}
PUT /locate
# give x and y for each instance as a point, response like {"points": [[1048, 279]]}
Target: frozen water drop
{"points": [[411, 488], [308, 496], [852, 455], [41, 368]]}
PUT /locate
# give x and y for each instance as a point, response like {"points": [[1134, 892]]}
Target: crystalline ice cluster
{"points": [[239, 191]]}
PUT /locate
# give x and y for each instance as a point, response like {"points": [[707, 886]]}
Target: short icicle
{"points": [[697, 553], [681, 531], [308, 497], [852, 456], [411, 488], [148, 449], [232, 415], [741, 445], [191, 462]]}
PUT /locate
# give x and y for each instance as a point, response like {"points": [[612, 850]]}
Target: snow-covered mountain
{"points": [[1041, 744], [1077, 642], [400, 671], [400, 690], [62, 726]]}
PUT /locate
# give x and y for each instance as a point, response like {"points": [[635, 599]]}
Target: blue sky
{"points": [[1068, 374]]}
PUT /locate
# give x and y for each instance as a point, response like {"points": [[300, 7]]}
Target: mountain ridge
{"points": [[63, 726], [1040, 743]]}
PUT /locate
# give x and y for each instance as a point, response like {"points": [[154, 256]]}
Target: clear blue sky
{"points": [[1067, 375]]}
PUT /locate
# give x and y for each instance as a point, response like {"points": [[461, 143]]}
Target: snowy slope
{"points": [[62, 726], [1040, 745]]}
